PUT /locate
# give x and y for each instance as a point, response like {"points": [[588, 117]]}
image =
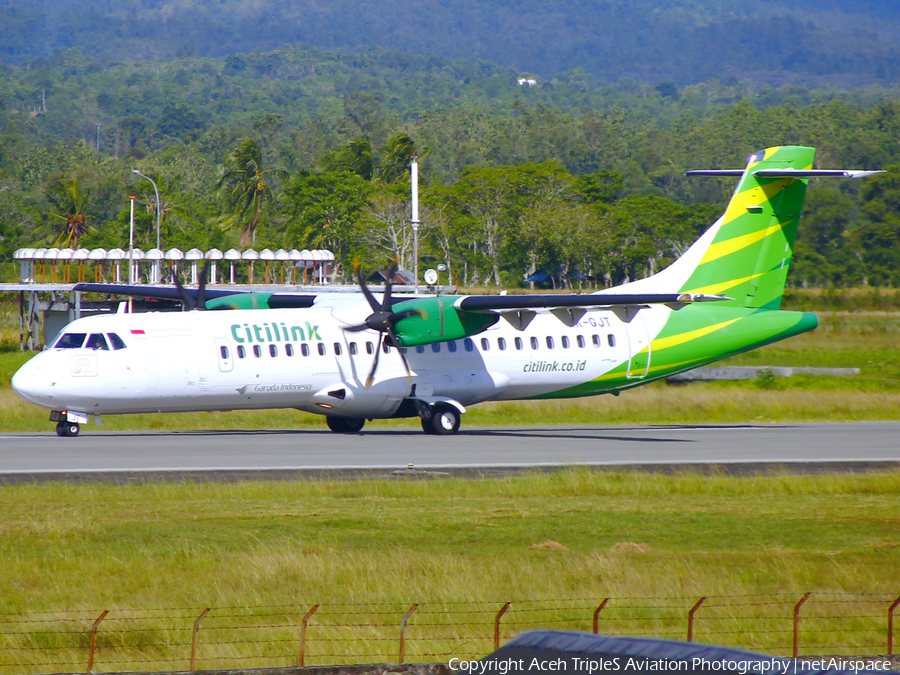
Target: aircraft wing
{"points": [[519, 310], [499, 303], [158, 292], [215, 298]]}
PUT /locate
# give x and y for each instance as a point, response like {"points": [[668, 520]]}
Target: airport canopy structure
{"points": [[47, 276], [53, 265]]}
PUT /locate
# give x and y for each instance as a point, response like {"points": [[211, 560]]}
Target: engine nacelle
{"points": [[354, 400], [439, 321]]}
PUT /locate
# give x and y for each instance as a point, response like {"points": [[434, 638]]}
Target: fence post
{"points": [[302, 658], [403, 631], [891, 626], [100, 618], [497, 625], [797, 623], [597, 614], [691, 618], [194, 639]]}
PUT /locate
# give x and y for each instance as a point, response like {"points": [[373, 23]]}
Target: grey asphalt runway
{"points": [[223, 455]]}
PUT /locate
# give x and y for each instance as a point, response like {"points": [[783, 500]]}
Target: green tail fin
{"points": [[749, 256]]}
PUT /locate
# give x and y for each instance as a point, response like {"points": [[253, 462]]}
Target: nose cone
{"points": [[30, 383]]}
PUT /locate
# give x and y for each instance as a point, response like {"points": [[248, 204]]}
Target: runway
{"points": [[233, 455]]}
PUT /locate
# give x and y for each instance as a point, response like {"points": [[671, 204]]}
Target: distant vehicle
{"points": [[352, 357]]}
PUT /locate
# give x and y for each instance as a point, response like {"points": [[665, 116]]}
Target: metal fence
{"points": [[340, 633]]}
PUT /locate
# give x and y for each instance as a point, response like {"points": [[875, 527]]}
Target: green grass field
{"points": [[261, 553]]}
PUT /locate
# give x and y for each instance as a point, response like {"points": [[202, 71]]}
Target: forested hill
{"points": [[683, 41]]}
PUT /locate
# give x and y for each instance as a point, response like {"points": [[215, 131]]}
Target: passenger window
{"points": [[501, 343], [273, 351], [596, 340], [241, 351], [257, 351], [97, 341], [519, 343], [436, 347], [534, 343], [565, 341], [353, 350], [370, 348], [485, 345], [420, 349], [321, 349], [468, 344], [386, 348], [70, 341], [116, 341], [580, 339], [223, 350], [451, 345], [549, 342], [304, 349], [337, 348], [611, 339], [289, 350]]}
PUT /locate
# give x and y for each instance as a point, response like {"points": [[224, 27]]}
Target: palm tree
{"points": [[69, 202], [243, 183]]}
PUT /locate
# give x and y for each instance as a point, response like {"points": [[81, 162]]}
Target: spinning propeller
{"points": [[383, 319]]}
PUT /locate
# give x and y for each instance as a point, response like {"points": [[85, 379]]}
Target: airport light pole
{"points": [[414, 221], [158, 205]]}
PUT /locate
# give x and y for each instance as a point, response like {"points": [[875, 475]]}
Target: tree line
{"points": [[587, 187]]}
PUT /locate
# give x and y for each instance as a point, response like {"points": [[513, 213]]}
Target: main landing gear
{"points": [[67, 429], [441, 419], [345, 425]]}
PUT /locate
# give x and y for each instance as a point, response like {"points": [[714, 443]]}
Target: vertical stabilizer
{"points": [[749, 253]]}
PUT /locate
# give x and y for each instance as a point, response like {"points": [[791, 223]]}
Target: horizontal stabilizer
{"points": [[787, 173], [716, 172], [813, 173]]}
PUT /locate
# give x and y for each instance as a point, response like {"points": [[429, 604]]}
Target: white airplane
{"points": [[352, 358]]}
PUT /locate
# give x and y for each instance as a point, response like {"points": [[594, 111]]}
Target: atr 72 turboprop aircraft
{"points": [[351, 358]]}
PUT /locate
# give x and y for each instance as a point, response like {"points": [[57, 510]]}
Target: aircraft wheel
{"points": [[68, 429], [444, 420], [354, 424], [345, 425], [426, 425]]}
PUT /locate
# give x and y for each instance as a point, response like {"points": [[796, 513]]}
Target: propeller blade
{"points": [[405, 314], [373, 303], [355, 329], [201, 289], [390, 331], [371, 376], [186, 299], [388, 302]]}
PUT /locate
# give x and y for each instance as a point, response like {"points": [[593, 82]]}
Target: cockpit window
{"points": [[70, 341], [97, 341], [116, 341]]}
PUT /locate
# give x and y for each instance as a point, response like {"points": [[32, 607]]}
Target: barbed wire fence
{"points": [[839, 624]]}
